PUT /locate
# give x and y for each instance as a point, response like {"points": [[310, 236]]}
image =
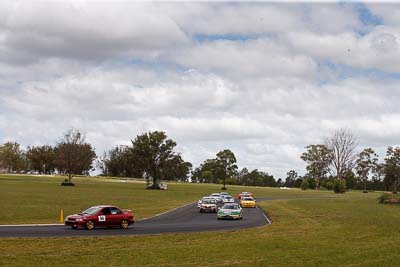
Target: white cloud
{"points": [[253, 58], [379, 49], [212, 75], [268, 123], [388, 12]]}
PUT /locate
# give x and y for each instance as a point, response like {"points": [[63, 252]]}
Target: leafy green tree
{"points": [[221, 168], [240, 176], [206, 176], [255, 178], [12, 157], [305, 184], [351, 181], [206, 172], [365, 163], [73, 156], [226, 165], [291, 178], [41, 158], [120, 162], [329, 185], [176, 169], [377, 177], [269, 180], [392, 167], [318, 157], [153, 154]]}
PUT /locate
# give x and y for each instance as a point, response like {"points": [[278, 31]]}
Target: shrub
{"points": [[312, 183], [305, 184], [329, 185], [339, 186], [387, 198], [66, 183]]}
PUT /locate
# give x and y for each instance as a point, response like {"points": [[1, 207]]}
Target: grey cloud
{"points": [[268, 123], [32, 31], [259, 97], [86, 31]]}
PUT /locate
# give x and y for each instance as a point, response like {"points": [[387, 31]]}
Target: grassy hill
{"points": [[353, 230], [38, 199]]}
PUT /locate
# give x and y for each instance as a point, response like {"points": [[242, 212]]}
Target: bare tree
{"points": [[343, 145]]}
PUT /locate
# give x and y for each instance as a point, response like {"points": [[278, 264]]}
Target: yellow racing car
{"points": [[248, 202]]}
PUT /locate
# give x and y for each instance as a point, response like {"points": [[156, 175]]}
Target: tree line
{"points": [[330, 164], [223, 169], [335, 163], [150, 155], [70, 156]]}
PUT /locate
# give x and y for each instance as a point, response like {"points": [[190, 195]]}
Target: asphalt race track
{"points": [[182, 220]]}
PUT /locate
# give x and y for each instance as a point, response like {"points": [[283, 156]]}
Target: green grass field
{"points": [[353, 230], [36, 199]]}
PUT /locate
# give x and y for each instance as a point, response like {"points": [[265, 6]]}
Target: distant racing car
{"points": [[208, 205], [227, 199], [101, 216], [205, 198], [230, 211], [247, 202], [217, 197], [243, 194]]}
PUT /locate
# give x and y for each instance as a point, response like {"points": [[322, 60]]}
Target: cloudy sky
{"points": [[262, 79]]}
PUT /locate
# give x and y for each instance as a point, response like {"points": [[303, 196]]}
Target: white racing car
{"points": [[228, 199], [208, 205], [205, 198]]}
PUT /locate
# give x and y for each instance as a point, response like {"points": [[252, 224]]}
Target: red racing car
{"points": [[101, 216], [249, 194]]}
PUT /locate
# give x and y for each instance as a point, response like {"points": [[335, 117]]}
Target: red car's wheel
{"points": [[89, 225], [124, 224]]}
